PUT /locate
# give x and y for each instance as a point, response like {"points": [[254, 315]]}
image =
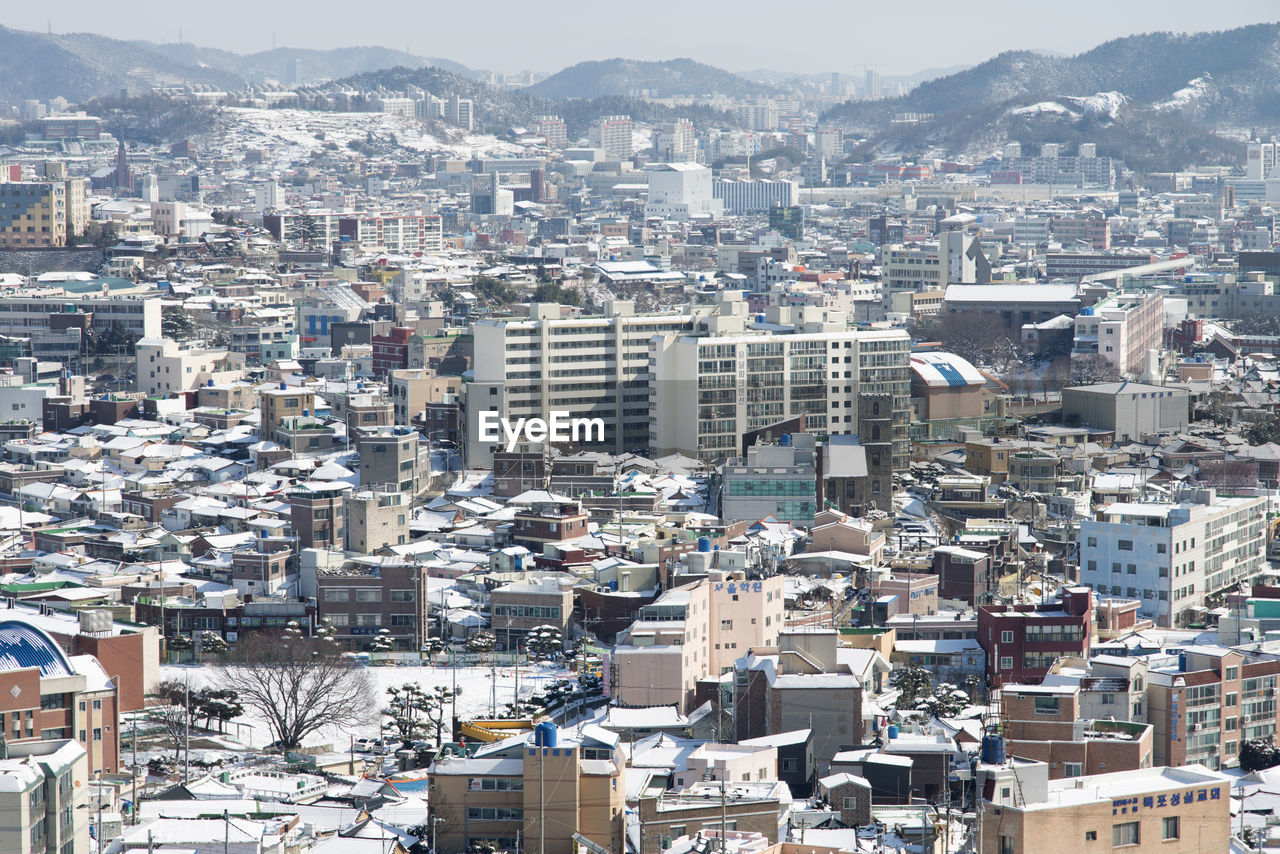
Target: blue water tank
{"points": [[893, 731], [545, 734], [875, 724], [993, 749], [759, 318], [704, 544], [785, 441], [1182, 662], [209, 383]]}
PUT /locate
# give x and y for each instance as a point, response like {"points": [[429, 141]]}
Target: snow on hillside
{"points": [[1075, 106], [1044, 108], [1189, 94], [289, 135]]}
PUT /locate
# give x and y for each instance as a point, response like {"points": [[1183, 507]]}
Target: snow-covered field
{"points": [[477, 684]]}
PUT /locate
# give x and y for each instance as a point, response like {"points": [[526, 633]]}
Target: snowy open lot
{"points": [[477, 684]]}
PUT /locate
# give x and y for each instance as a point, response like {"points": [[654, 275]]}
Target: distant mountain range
{"points": [[1159, 98], [311, 64], [80, 66], [628, 77]]}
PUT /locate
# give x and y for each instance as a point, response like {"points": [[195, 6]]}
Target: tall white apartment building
{"points": [[590, 367], [871, 87], [614, 135], [1170, 556], [554, 130], [677, 142], [1260, 160], [1123, 329], [709, 389], [400, 232], [829, 142], [462, 112], [761, 115]]}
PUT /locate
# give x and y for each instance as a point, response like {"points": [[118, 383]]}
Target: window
{"points": [[1046, 705], [678, 830], [335, 595], [1232, 673], [1090, 836], [1125, 545], [1006, 662], [401, 595], [1124, 834], [1073, 769], [1170, 824], [1006, 844], [368, 595], [850, 804], [53, 701], [1006, 637], [1161, 548]]}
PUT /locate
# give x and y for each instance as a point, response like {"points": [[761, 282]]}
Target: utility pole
{"points": [[724, 815], [134, 809], [542, 801], [98, 827], [186, 765]]}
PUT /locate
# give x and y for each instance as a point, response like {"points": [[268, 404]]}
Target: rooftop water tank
{"points": [[704, 544], [545, 734], [993, 749]]}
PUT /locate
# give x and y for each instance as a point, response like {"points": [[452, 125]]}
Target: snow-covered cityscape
{"points": [[482, 446]]}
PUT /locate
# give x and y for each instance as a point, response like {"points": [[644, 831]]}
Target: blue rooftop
{"points": [[23, 646]]}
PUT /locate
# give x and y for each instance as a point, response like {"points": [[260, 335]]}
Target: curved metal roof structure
{"points": [[22, 646]]}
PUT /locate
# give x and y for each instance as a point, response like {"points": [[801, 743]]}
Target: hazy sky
{"points": [[513, 35]]}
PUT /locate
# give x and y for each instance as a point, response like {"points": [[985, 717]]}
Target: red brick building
{"points": [[391, 351], [1023, 641]]}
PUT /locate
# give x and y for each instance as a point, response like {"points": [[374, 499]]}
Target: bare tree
{"points": [[299, 685], [171, 715], [1091, 368]]}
